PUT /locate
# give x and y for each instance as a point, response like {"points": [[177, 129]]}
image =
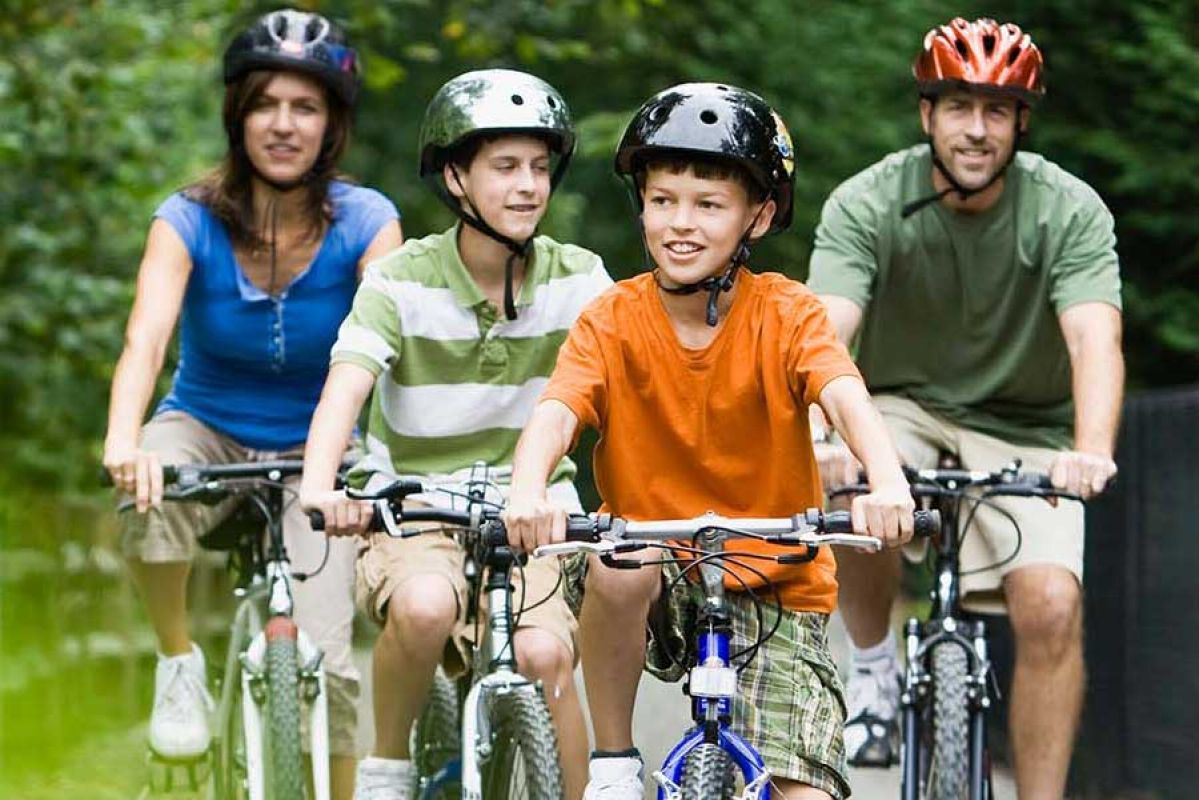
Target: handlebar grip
{"points": [[837, 522], [316, 519], [927, 523], [582, 528], [170, 474]]}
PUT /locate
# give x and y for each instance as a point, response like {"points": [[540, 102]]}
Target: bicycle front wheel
{"points": [[523, 763], [949, 765], [708, 774], [284, 766]]}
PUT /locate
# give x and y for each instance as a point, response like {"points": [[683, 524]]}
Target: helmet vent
{"points": [[552, 102], [989, 44], [656, 113], [723, 88], [517, 100], [1013, 54], [708, 116], [961, 46]]}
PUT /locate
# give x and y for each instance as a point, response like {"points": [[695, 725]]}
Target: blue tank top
{"points": [[252, 366]]}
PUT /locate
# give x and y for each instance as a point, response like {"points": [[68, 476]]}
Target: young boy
{"points": [[456, 333], [698, 377]]}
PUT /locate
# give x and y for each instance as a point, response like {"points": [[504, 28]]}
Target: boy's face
{"points": [[508, 183], [692, 225]]}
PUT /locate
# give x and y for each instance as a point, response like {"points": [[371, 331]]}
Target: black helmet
{"points": [[714, 119], [300, 41]]}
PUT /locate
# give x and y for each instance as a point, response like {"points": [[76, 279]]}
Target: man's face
{"points": [[973, 133]]}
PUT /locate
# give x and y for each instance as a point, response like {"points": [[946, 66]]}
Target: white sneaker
{"points": [[872, 698], [615, 779], [179, 721], [383, 779]]}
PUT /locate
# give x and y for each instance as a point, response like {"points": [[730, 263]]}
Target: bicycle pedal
{"points": [[177, 777]]}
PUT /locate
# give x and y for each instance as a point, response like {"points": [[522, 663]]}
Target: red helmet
{"points": [[980, 54]]}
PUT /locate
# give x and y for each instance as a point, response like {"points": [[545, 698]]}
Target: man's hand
{"points": [[1083, 474], [343, 516], [885, 514], [532, 520], [838, 467]]}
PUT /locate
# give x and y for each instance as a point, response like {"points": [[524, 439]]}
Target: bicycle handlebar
{"points": [[606, 533], [1007, 482]]}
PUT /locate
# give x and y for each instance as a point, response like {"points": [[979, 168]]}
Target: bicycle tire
{"points": [[949, 764], [436, 741], [523, 762], [707, 774], [281, 733]]}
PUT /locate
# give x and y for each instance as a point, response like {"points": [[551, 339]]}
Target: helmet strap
{"points": [[714, 284], [516, 249]]}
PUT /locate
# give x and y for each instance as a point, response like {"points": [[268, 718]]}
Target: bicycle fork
{"points": [[313, 691], [919, 640]]}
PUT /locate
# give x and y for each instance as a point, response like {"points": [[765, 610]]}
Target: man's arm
{"points": [[530, 518], [837, 465], [887, 511], [1093, 333]]}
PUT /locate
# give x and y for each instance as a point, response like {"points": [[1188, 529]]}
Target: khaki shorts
{"points": [[324, 604], [1048, 535], [387, 563], [790, 704]]}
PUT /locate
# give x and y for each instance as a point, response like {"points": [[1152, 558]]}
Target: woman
{"points": [[262, 258]]}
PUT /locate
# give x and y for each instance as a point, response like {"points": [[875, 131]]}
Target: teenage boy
{"points": [[457, 334], [698, 376]]}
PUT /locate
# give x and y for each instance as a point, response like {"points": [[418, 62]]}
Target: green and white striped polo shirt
{"points": [[457, 381]]}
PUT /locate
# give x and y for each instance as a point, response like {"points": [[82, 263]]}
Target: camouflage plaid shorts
{"points": [[790, 704]]}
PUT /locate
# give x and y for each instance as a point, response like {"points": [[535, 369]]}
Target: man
{"points": [[983, 288]]}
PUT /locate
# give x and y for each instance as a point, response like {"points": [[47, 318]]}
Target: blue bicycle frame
{"points": [[712, 684]]}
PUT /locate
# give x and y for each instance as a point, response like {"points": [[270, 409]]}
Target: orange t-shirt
{"points": [[722, 429]]}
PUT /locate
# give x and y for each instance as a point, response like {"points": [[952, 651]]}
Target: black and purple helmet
{"points": [[298, 41]]}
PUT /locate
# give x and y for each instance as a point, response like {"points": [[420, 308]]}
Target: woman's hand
{"points": [[134, 471]]}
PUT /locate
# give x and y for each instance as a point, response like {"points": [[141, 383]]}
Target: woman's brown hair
{"points": [[228, 190]]}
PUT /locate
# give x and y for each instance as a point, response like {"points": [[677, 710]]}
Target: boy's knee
{"points": [[422, 611], [543, 656], [622, 588]]}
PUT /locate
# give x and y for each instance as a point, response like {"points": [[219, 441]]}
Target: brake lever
{"points": [[600, 548]]}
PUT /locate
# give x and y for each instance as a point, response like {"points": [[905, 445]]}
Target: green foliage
{"points": [[111, 105]]}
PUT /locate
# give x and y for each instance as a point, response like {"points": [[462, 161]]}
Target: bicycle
{"points": [[491, 737], [272, 674], [948, 679], [701, 765]]}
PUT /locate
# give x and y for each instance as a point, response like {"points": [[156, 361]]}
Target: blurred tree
{"points": [[110, 106]]}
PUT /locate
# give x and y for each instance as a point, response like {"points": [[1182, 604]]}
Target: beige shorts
{"points": [[1048, 535], [324, 604], [387, 563]]}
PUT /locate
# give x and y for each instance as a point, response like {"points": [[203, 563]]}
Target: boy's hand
{"points": [[532, 520], [343, 516], [885, 514]]}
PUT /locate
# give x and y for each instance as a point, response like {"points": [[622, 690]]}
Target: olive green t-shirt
{"points": [[961, 310]]}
